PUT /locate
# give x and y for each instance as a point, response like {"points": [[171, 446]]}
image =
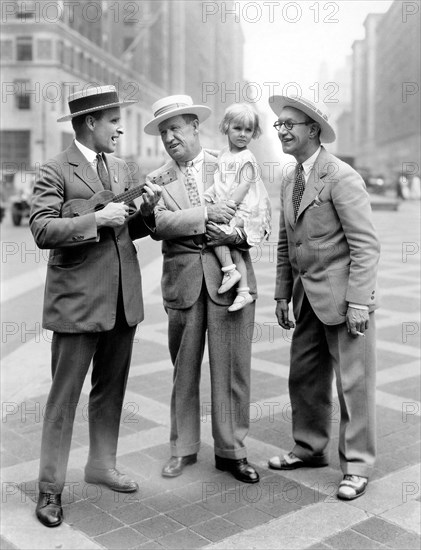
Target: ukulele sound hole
{"points": [[99, 207]]}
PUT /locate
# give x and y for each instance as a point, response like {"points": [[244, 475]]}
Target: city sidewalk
{"points": [[205, 508]]}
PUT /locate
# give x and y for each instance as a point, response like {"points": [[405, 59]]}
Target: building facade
{"points": [[146, 48], [386, 94]]}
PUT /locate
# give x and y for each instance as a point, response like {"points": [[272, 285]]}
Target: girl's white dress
{"points": [[255, 209]]}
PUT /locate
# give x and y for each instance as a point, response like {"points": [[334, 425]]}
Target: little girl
{"points": [[238, 179]]}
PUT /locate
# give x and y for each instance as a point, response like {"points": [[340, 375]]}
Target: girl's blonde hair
{"points": [[241, 112]]}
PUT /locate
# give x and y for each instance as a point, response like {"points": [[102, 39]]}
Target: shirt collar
{"points": [[309, 163], [197, 161], [86, 152]]}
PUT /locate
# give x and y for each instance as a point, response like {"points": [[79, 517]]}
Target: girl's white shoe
{"points": [[230, 279], [242, 300]]}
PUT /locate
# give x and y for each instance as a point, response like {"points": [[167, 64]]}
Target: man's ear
{"points": [[90, 122], [195, 124], [314, 130]]}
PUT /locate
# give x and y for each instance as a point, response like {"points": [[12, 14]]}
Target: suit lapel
{"points": [[314, 183], [117, 187], [176, 189], [83, 169]]}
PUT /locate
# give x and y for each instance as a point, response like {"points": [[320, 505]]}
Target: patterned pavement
{"points": [[205, 508]]}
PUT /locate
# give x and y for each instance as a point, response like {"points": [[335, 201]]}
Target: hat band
{"points": [[96, 100], [169, 108]]}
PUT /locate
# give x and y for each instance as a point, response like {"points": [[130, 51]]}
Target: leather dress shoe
{"points": [[239, 468], [352, 487], [49, 510], [112, 479], [175, 466], [292, 462]]}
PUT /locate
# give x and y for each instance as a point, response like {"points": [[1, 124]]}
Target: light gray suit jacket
{"points": [[332, 251], [187, 259]]}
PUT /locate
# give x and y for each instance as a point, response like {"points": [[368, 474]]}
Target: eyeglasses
{"points": [[289, 125]]}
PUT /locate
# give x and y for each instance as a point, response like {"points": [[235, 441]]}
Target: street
{"points": [[206, 508]]}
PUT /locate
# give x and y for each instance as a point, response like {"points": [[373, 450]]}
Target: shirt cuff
{"points": [[358, 306], [206, 215]]}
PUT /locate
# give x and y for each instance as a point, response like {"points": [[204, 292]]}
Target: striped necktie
{"points": [[298, 190], [191, 185], [102, 172]]}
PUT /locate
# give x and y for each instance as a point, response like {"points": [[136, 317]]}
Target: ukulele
{"points": [[80, 207]]}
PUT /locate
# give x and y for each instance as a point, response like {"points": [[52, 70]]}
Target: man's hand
{"points": [[221, 212], [282, 314], [215, 236], [150, 196], [356, 321], [113, 215]]}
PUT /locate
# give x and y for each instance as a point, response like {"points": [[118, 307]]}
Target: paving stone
{"points": [[98, 524], [223, 503], [388, 359], [406, 541], [275, 504], [151, 545], [248, 517], [189, 515], [132, 513], [110, 501], [79, 510], [183, 539], [378, 529], [6, 545], [351, 540], [121, 539], [216, 529], [158, 526], [193, 492], [409, 388], [165, 502]]}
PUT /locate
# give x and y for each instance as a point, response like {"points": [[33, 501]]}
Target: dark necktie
{"points": [[191, 185], [102, 172], [298, 190]]}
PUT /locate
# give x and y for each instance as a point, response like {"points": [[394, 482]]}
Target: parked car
{"points": [[20, 201]]}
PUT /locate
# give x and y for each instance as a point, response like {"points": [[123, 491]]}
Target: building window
{"points": [[24, 48], [6, 50], [44, 49], [60, 52], [25, 9], [15, 146], [22, 97]]}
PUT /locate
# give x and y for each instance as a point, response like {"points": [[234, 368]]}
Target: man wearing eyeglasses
{"points": [[327, 260]]}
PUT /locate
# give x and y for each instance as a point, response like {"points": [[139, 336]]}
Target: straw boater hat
{"points": [[174, 105], [93, 99], [278, 102]]}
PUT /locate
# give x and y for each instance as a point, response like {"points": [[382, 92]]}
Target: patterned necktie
{"points": [[298, 190], [102, 172], [191, 185]]}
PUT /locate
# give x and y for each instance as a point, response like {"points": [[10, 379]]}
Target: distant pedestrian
{"points": [[196, 312], [238, 178], [93, 297], [327, 260]]}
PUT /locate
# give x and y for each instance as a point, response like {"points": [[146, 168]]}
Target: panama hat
{"points": [[174, 105], [93, 99], [278, 102]]}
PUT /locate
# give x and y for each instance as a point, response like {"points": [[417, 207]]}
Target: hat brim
{"points": [[99, 108], [200, 111], [278, 102]]}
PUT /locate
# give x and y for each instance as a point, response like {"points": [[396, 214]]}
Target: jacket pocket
{"points": [[338, 280]]}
